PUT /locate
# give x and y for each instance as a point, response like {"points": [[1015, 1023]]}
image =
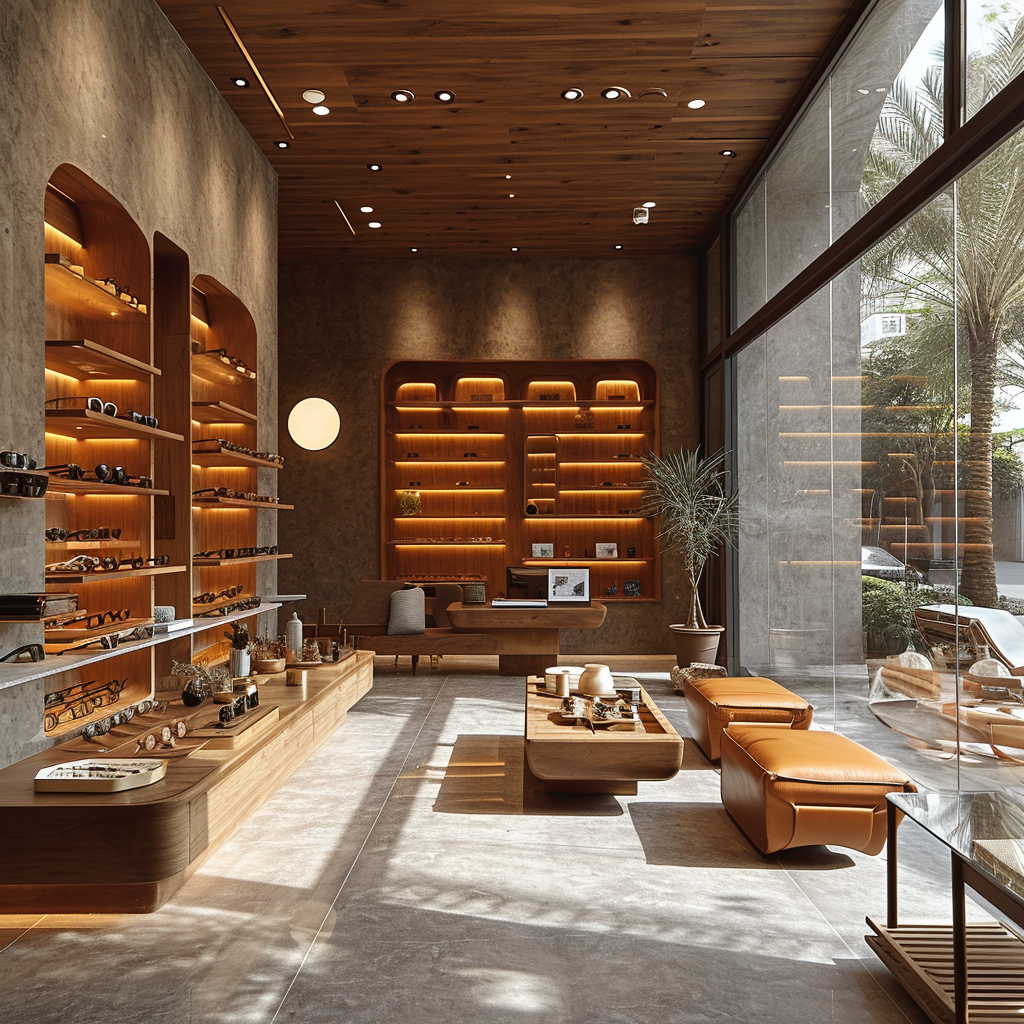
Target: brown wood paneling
{"points": [[577, 169]]}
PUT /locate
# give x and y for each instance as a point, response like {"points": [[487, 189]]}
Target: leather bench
{"points": [[714, 702], [787, 788]]}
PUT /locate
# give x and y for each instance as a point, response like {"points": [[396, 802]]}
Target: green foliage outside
{"points": [[888, 614]]}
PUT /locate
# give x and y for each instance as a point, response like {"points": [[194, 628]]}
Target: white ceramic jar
{"points": [[596, 681]]}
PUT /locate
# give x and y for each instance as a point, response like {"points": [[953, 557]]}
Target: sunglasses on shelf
{"points": [[166, 736], [23, 484], [158, 560], [104, 725], [230, 446], [98, 619], [17, 460], [57, 533], [141, 418], [232, 361], [93, 563], [209, 597], [67, 470], [92, 404], [111, 474], [34, 652], [80, 701], [235, 606]]}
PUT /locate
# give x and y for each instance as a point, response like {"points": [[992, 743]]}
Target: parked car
{"points": [[878, 562]]}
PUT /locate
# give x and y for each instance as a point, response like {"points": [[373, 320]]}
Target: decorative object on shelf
{"points": [[531, 508], [542, 550], [565, 551], [22, 483], [197, 682], [270, 656], [474, 593], [314, 424], [596, 681], [603, 550], [584, 420], [109, 775], [409, 503], [293, 636], [311, 650], [559, 681], [241, 649], [631, 552], [698, 516], [611, 591], [632, 588]]}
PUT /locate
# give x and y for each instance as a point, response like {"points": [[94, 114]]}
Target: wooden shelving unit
{"points": [[243, 560], [220, 412], [62, 485], [549, 451], [84, 424], [272, 506], [88, 360], [83, 295], [226, 457], [110, 576], [213, 369]]}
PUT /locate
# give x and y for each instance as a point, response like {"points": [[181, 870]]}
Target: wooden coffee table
{"points": [[525, 639], [570, 758]]}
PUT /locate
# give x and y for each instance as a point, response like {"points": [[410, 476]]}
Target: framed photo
{"points": [[569, 583], [606, 550], [543, 550]]}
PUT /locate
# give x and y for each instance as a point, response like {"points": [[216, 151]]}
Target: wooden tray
{"points": [[239, 732]]}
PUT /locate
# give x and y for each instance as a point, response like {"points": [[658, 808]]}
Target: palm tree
{"points": [[958, 265]]}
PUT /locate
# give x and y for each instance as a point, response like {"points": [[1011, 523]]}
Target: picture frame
{"points": [[569, 584], [543, 550], [606, 550]]}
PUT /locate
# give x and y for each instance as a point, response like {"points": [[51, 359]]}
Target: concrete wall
{"points": [[341, 324], [106, 85]]}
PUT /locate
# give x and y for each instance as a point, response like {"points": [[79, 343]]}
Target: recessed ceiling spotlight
{"points": [[282, 144], [511, 195], [403, 96], [649, 205], [618, 246], [242, 83], [414, 250], [616, 92], [444, 96], [727, 152], [375, 167], [696, 104], [515, 248], [366, 209], [572, 94], [374, 224], [508, 177], [321, 110], [864, 92], [653, 91], [314, 96]]}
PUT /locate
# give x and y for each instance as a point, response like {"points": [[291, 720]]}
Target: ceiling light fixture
{"points": [[242, 83], [515, 248], [616, 92], [654, 91], [444, 96], [414, 250], [696, 104], [511, 195], [314, 96], [508, 177], [375, 167], [321, 110], [572, 94], [649, 205], [282, 144], [727, 152], [618, 246], [403, 96], [374, 224], [366, 209]]}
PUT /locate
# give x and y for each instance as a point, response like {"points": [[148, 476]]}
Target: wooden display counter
{"points": [[129, 852]]}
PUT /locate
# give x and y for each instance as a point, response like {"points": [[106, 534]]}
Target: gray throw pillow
{"points": [[407, 613]]}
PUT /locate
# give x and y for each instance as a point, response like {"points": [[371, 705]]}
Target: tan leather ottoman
{"points": [[713, 703], [786, 788]]}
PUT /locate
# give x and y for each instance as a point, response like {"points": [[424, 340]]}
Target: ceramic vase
{"points": [[596, 681], [240, 663]]}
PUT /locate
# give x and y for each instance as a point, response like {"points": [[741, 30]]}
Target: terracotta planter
{"points": [[699, 645]]}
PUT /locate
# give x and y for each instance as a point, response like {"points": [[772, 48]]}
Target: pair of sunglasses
{"points": [[234, 606], [98, 619], [92, 404], [79, 701], [17, 460], [238, 552], [34, 651], [236, 364], [23, 484], [230, 446]]}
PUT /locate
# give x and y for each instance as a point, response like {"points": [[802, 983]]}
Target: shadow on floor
{"points": [[485, 775], [702, 835]]}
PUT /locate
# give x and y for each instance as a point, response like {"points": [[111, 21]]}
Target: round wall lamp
{"points": [[314, 424], [403, 96]]}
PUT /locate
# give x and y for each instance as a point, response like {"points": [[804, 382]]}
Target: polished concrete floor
{"points": [[405, 874]]}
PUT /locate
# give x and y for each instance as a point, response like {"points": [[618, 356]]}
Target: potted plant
{"points": [[698, 515]]}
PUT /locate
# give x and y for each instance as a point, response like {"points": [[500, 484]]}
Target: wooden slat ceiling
{"points": [[577, 169]]}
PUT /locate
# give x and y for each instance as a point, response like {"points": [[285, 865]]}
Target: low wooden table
{"points": [[570, 758], [525, 639]]}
